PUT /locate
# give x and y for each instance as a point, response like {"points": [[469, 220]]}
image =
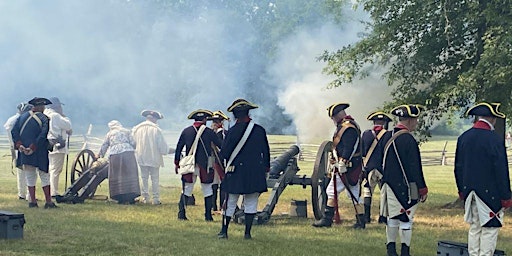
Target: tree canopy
{"points": [[445, 54]]}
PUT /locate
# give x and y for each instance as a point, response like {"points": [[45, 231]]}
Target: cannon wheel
{"points": [[319, 179], [83, 161]]}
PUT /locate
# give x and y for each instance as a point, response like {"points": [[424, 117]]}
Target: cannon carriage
{"points": [[283, 172], [87, 172]]}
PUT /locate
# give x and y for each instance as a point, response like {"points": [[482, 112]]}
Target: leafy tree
{"points": [[444, 53]]}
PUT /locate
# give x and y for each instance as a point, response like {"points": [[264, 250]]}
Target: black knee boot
{"points": [[326, 220], [222, 199], [360, 222], [215, 188], [405, 250], [208, 208], [223, 234], [391, 249], [367, 209], [249, 218], [181, 207]]}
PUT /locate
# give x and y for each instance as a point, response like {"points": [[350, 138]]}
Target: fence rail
{"points": [[307, 151]]}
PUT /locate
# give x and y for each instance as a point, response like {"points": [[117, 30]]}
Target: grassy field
{"points": [[100, 227]]}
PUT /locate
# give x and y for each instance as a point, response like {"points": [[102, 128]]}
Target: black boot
{"points": [[391, 249], [215, 188], [405, 250], [190, 200], [360, 222], [208, 208], [367, 209], [326, 220], [249, 218], [222, 199], [223, 234], [181, 207]]}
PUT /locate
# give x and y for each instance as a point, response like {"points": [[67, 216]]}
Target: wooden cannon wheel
{"points": [[83, 161], [320, 179]]}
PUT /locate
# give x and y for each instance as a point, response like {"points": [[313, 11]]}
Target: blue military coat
{"points": [[33, 136], [481, 165], [251, 163]]}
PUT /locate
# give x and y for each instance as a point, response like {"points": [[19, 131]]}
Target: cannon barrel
{"points": [[280, 163]]}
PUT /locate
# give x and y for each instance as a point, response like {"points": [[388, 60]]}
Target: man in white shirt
{"points": [[59, 132], [149, 151], [9, 124]]}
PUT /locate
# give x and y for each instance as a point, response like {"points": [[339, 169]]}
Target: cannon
{"points": [[87, 172], [283, 172]]}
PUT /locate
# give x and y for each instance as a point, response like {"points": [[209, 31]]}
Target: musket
{"points": [[345, 183], [67, 161], [13, 159]]}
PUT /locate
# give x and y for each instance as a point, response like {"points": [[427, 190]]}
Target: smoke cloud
{"points": [[303, 93], [111, 59]]}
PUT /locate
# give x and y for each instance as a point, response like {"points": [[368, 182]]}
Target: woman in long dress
{"points": [[123, 179]]}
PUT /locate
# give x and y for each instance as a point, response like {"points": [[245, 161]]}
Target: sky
{"points": [[110, 60]]}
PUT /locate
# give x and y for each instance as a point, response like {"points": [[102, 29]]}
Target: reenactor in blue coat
{"points": [[203, 151], [403, 183], [372, 157], [29, 135], [348, 166], [218, 118], [482, 177], [247, 155]]}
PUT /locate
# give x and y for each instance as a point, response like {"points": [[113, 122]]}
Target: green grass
{"points": [[99, 227]]}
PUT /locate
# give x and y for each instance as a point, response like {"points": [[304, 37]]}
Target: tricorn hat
{"points": [[409, 110], [379, 115], [152, 113], [39, 101], [334, 109], [55, 103], [218, 115], [241, 104], [200, 114], [485, 109]]}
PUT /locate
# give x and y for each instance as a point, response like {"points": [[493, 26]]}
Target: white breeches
{"points": [[404, 229], [250, 203], [189, 187], [481, 240], [55, 169], [154, 173], [31, 176], [22, 183], [340, 187]]}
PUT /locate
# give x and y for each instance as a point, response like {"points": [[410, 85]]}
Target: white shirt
{"points": [[9, 124], [151, 145], [58, 126]]}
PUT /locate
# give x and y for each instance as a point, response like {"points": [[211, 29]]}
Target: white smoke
{"points": [[303, 87], [111, 59]]}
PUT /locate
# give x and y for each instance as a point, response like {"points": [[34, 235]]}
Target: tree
{"points": [[444, 53]]}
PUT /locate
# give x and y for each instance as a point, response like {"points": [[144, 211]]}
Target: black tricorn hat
{"points": [[200, 114], [379, 115], [218, 115], [240, 105], [39, 101], [409, 110], [152, 113], [485, 109], [334, 109]]}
